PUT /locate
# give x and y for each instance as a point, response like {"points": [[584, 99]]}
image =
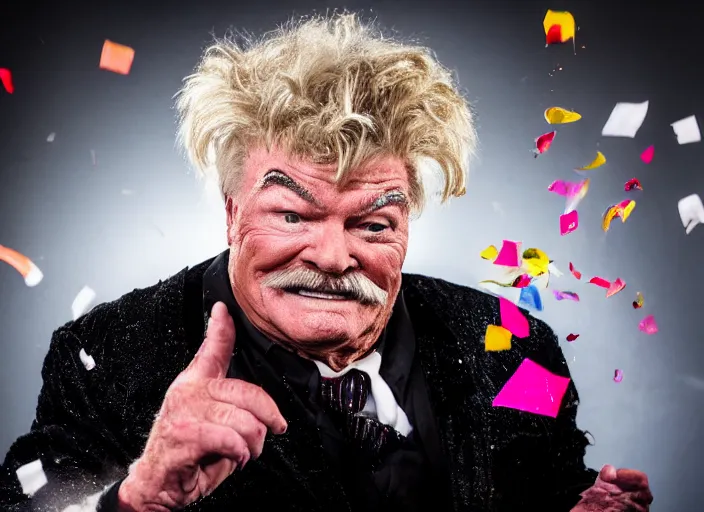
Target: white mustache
{"points": [[357, 286]]}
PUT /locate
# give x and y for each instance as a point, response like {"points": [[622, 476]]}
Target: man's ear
{"points": [[231, 211]]}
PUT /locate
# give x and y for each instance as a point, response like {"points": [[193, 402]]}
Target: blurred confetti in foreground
{"points": [[29, 271], [116, 57], [51, 137], [82, 302], [648, 325], [618, 375], [31, 477], [6, 79]]}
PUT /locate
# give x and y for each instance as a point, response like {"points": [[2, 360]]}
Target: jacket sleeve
{"points": [[71, 435]]}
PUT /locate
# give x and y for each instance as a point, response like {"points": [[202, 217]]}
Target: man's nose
{"points": [[330, 252]]}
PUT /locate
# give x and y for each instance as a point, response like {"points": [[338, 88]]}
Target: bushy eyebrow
{"points": [[391, 197]]}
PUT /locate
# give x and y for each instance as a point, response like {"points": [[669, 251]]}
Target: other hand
{"points": [[616, 491], [207, 427]]}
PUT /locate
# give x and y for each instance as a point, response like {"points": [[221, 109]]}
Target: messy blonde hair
{"points": [[328, 88]]}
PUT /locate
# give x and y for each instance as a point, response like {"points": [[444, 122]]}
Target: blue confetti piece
{"points": [[530, 297]]}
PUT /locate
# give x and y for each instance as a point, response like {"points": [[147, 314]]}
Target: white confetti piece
{"points": [[87, 360], [82, 302], [31, 477], [625, 120], [507, 292], [51, 137], [687, 130], [691, 212], [553, 270]]}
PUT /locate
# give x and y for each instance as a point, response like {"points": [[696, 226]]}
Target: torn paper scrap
{"points": [[533, 389], [632, 184], [648, 154], [638, 303], [615, 287], [497, 338], [490, 253], [625, 120], [530, 298], [618, 375], [559, 27], [522, 281], [82, 302], [507, 292], [535, 262], [648, 325], [512, 319], [559, 115], [542, 143], [691, 212], [116, 58], [553, 270], [576, 195], [598, 161], [565, 295], [31, 477], [687, 130], [87, 360], [509, 254], [571, 337], [29, 271], [569, 222], [6, 79], [601, 282], [576, 273], [51, 137], [622, 210]]}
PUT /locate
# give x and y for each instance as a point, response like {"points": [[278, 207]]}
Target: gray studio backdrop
{"points": [[140, 215]]}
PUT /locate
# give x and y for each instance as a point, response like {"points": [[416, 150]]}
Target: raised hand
{"points": [[207, 427], [617, 491]]}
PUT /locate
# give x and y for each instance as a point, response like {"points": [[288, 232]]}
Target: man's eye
{"points": [[375, 227], [292, 218]]}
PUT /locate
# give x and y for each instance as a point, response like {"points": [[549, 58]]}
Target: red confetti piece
{"points": [[576, 273], [554, 35], [569, 222], [522, 281], [600, 282], [618, 375], [571, 337], [6, 78], [542, 143], [632, 184], [647, 155], [615, 287]]}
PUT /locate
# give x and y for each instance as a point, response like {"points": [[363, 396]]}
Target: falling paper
{"points": [[509, 254], [576, 273], [625, 120], [691, 212], [82, 302], [521, 281], [565, 295], [87, 360], [542, 143], [116, 58], [569, 222], [615, 287], [6, 79], [598, 161], [571, 337], [618, 375], [29, 271], [576, 196], [533, 389], [497, 338], [603, 283], [638, 303], [632, 184], [622, 210], [647, 155], [535, 262], [507, 292], [31, 477], [553, 270], [648, 325], [512, 319], [51, 137], [559, 115], [490, 253], [687, 130], [530, 297], [558, 26]]}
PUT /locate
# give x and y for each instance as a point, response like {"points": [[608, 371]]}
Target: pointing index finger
{"points": [[213, 357]]}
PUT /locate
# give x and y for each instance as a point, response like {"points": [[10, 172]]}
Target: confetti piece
{"points": [[615, 287], [542, 143], [598, 161], [625, 120], [558, 26], [638, 303], [576, 273], [632, 184], [6, 79], [82, 302], [51, 137], [648, 325], [603, 283], [618, 375], [87, 360], [533, 389], [569, 222], [497, 338], [490, 253], [574, 198], [648, 154], [507, 292], [530, 297], [687, 130], [521, 281], [535, 262], [116, 58], [565, 295], [622, 210], [691, 212], [571, 337], [559, 115], [553, 270], [29, 271], [31, 477], [513, 320], [509, 254]]}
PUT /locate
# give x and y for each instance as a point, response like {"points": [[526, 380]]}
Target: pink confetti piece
{"points": [[576, 273], [533, 389], [599, 281], [522, 281], [618, 375], [647, 155], [512, 319], [509, 255], [632, 184], [565, 295], [615, 287], [569, 222], [648, 325], [542, 143], [571, 337], [6, 79]]}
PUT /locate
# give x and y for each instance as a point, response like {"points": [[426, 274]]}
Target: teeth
{"points": [[319, 295]]}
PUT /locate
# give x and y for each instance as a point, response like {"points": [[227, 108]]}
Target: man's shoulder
{"points": [[443, 292]]}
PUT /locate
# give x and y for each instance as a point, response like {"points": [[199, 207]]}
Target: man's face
{"points": [[315, 266]]}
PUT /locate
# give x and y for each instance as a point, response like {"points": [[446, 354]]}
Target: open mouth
{"points": [[318, 294]]}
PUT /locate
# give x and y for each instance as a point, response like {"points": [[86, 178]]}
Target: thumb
{"points": [[608, 473], [213, 357]]}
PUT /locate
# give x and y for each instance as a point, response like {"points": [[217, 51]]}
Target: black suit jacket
{"points": [[90, 425]]}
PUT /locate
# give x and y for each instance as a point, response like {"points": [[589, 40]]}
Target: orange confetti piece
{"points": [[29, 271], [622, 210], [116, 58], [6, 79], [497, 338]]}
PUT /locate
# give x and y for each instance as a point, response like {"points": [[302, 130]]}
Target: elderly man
{"points": [[300, 369]]}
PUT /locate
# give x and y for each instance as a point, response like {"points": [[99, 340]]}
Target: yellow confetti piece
{"points": [[535, 262], [497, 338], [597, 162], [559, 115], [559, 26], [490, 253], [623, 210]]}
